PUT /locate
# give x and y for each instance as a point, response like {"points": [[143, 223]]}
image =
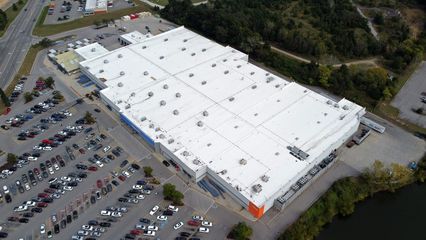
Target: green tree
{"points": [[324, 75], [50, 82], [20, 2], [11, 158], [45, 42], [4, 98], [241, 231], [170, 193], [147, 171], [88, 118], [28, 97], [379, 19], [58, 96], [14, 7]]}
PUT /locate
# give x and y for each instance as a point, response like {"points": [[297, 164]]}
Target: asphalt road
{"points": [[17, 40]]}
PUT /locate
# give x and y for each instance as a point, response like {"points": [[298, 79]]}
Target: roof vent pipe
{"points": [[162, 103], [106, 61], [143, 118], [200, 123], [145, 73], [205, 113], [176, 112], [150, 94], [243, 161], [120, 84], [120, 55], [122, 73], [93, 49], [165, 86], [178, 95]]}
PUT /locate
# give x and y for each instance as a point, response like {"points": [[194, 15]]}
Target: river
{"points": [[388, 216]]}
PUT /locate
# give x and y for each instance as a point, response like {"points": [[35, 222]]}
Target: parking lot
{"points": [[73, 9], [409, 97]]}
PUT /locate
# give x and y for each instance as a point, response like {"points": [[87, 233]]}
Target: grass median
{"points": [[12, 14], [51, 29]]}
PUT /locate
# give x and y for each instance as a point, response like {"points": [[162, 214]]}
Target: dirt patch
{"points": [[415, 19], [4, 4]]}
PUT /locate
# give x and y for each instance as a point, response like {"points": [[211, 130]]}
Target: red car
{"points": [[93, 168], [47, 141], [49, 190], [42, 204], [82, 151], [194, 223], [136, 232], [43, 195], [122, 178], [36, 171], [99, 183]]}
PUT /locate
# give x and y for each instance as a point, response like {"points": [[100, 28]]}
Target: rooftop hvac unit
{"points": [[185, 153], [122, 73], [87, 67], [120, 55], [329, 102], [191, 75], [231, 99], [252, 73], [193, 54], [238, 188], [200, 123], [254, 87], [203, 49], [269, 79], [238, 66], [226, 72], [162, 136], [175, 112], [127, 106], [224, 60], [257, 188], [132, 94], [162, 103], [120, 84], [196, 162], [143, 118], [161, 57], [345, 107], [214, 65], [224, 171], [165, 86], [170, 141], [106, 61], [150, 94], [336, 105], [185, 40], [205, 113], [101, 70], [143, 47], [151, 125], [243, 161], [157, 129], [178, 95], [93, 50], [305, 91], [166, 39], [264, 178], [277, 86], [203, 82], [145, 73], [183, 49], [119, 101], [267, 74]]}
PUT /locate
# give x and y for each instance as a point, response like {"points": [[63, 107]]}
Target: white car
{"points": [[152, 228], [42, 229], [87, 227], [37, 148], [162, 218], [117, 214], [140, 197], [5, 189], [107, 148], [99, 164], [31, 158], [20, 208], [82, 233], [154, 210], [147, 192], [125, 173], [27, 186], [29, 203], [206, 224], [138, 187], [199, 218], [149, 233], [56, 166], [105, 213], [52, 180], [51, 171], [66, 179], [203, 230], [140, 226], [178, 225], [173, 208], [47, 148], [67, 188]]}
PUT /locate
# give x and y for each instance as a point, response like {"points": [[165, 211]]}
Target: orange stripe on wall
{"points": [[256, 211]]}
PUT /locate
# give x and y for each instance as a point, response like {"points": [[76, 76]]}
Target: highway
{"points": [[17, 40]]}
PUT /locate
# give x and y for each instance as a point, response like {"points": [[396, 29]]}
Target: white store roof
{"points": [[91, 51], [136, 37], [219, 109]]}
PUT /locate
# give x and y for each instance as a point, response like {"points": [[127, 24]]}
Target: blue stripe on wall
{"points": [[138, 130]]}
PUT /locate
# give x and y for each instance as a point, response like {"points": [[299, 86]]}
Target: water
{"points": [[388, 216]]}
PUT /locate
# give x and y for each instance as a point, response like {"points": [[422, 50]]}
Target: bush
{"points": [[4, 98], [148, 171], [171, 194], [11, 158], [88, 118], [14, 7], [28, 97], [240, 231]]}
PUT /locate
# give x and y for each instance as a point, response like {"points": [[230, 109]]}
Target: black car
{"points": [[28, 214], [81, 166], [109, 187], [24, 220], [122, 199], [148, 187], [37, 210], [73, 184], [97, 110], [135, 166], [124, 163], [56, 228], [129, 236], [93, 223], [166, 163], [105, 224], [47, 200], [69, 218], [63, 224], [74, 214], [8, 198], [3, 234], [145, 220], [115, 183], [82, 175], [61, 163], [92, 199], [168, 213], [134, 191]]}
